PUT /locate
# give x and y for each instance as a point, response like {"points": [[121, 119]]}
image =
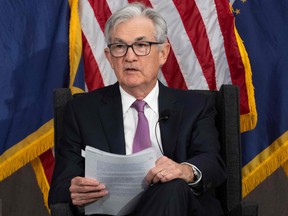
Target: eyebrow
{"points": [[119, 40]]}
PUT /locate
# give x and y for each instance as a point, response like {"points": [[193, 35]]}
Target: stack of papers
{"points": [[123, 176]]}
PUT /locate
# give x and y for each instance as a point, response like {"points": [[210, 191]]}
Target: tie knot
{"points": [[139, 105]]}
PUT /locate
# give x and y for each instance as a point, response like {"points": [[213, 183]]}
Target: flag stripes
{"points": [[198, 40], [100, 72], [205, 50], [180, 51], [94, 79], [234, 58]]}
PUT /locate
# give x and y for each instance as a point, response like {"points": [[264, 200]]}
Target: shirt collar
{"points": [[151, 99]]}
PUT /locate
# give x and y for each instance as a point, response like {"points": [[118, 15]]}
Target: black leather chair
{"points": [[227, 122], [228, 125]]}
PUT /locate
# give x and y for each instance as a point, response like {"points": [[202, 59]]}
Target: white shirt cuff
{"points": [[197, 174]]}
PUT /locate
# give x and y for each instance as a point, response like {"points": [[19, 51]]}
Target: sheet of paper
{"points": [[123, 176]]}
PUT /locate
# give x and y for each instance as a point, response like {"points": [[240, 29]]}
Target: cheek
{"points": [[153, 67], [116, 65]]}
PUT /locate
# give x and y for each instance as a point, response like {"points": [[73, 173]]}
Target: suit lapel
{"points": [[112, 120], [169, 128], [111, 116]]}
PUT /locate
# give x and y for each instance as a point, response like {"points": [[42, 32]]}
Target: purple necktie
{"points": [[142, 137]]}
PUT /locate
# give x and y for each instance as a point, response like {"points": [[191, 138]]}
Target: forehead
{"points": [[137, 28]]}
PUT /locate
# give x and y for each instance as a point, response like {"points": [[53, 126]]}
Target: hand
{"points": [[85, 190], [166, 170]]}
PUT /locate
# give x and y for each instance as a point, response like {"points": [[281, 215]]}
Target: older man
{"points": [[107, 119]]}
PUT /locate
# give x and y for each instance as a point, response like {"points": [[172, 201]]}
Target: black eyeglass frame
{"points": [[131, 45]]}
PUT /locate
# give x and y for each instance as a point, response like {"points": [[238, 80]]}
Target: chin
{"points": [[132, 81], [132, 85]]}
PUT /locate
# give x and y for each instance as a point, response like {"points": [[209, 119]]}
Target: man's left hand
{"points": [[166, 170]]}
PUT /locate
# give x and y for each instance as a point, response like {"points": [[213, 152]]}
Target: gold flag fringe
{"points": [[247, 121], [42, 180], [26, 150], [75, 44], [265, 164]]}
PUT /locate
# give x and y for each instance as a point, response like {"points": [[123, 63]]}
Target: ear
{"points": [[109, 57], [164, 52]]}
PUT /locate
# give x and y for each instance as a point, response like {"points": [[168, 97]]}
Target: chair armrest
{"points": [[244, 209], [61, 209], [66, 209]]}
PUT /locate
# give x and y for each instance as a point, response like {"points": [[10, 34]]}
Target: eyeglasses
{"points": [[140, 48]]}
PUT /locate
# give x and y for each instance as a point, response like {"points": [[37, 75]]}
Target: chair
{"points": [[228, 125], [227, 122]]}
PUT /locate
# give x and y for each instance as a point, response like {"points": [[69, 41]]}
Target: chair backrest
{"points": [[60, 97], [228, 125], [227, 122]]}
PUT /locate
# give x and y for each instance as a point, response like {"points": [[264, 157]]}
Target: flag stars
{"points": [[237, 11]]}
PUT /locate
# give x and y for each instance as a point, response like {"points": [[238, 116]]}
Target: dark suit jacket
{"points": [[96, 119]]}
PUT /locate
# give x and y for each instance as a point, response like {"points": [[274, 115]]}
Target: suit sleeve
{"points": [[204, 147]]}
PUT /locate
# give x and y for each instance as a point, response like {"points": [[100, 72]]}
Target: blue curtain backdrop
{"points": [[33, 61], [263, 26]]}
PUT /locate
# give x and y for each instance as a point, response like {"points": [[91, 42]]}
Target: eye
{"points": [[119, 46], [141, 45]]}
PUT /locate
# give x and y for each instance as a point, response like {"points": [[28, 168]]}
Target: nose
{"points": [[130, 55]]}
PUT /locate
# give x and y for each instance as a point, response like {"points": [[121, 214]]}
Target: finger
{"points": [[160, 177], [84, 181], [83, 185], [153, 176], [82, 202], [162, 163], [85, 198], [90, 195], [85, 189], [149, 177]]}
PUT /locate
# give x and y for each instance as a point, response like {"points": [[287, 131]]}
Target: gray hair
{"points": [[135, 10]]}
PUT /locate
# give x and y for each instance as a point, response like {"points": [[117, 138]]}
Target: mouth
{"points": [[131, 69]]}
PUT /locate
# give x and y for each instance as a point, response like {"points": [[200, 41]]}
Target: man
{"points": [[107, 119]]}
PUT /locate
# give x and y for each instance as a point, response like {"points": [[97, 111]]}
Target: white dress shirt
{"points": [[130, 118]]}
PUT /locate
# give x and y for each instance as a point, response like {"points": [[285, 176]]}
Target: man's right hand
{"points": [[86, 190]]}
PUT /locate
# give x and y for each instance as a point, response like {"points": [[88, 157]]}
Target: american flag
{"points": [[206, 50]]}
